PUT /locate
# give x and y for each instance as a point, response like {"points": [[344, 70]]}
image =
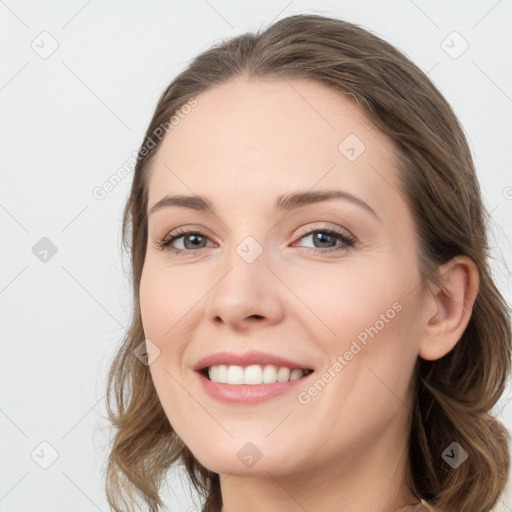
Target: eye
{"points": [[322, 238], [192, 241]]}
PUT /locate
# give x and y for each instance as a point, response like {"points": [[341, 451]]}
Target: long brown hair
{"points": [[454, 394]]}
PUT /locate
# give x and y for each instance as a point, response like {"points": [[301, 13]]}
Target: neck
{"points": [[369, 478]]}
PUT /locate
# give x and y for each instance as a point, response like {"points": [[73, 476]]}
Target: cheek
{"points": [[371, 323], [164, 300], [163, 304], [351, 299], [168, 309], [152, 306]]}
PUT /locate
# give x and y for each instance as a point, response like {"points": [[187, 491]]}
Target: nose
{"points": [[247, 294]]}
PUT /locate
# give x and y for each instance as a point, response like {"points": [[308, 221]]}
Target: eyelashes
{"points": [[347, 241], [165, 244]]}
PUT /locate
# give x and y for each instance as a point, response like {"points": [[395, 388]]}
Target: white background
{"points": [[71, 120]]}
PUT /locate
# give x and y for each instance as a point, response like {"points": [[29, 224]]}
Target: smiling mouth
{"points": [[253, 374]]}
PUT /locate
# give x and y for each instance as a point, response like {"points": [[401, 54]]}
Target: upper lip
{"points": [[246, 359]]}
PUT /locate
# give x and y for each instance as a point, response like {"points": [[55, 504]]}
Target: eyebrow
{"points": [[285, 202]]}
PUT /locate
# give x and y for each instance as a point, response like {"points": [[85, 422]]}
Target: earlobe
{"points": [[452, 308]]}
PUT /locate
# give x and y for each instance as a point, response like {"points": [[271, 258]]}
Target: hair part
{"points": [[453, 395]]}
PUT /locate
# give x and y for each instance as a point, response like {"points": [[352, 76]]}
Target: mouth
{"points": [[253, 374], [249, 377]]}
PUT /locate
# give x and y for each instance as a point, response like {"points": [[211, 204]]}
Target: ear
{"points": [[447, 314]]}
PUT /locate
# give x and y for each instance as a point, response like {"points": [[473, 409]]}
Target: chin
{"points": [[246, 459]]}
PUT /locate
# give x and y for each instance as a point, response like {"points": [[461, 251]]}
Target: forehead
{"points": [[251, 138]]}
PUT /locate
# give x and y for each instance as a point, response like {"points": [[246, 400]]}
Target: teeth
{"points": [[235, 375], [254, 374], [296, 374], [222, 373], [283, 374], [269, 374]]}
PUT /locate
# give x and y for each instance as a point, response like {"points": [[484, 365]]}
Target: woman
{"points": [[311, 285]]}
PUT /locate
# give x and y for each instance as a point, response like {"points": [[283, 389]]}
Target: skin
{"points": [[243, 145]]}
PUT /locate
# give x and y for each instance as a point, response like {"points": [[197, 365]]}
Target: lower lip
{"points": [[248, 393]]}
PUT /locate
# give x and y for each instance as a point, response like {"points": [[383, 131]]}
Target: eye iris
{"points": [[321, 238], [197, 238]]}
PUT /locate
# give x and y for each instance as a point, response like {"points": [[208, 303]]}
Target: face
{"points": [[263, 284]]}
